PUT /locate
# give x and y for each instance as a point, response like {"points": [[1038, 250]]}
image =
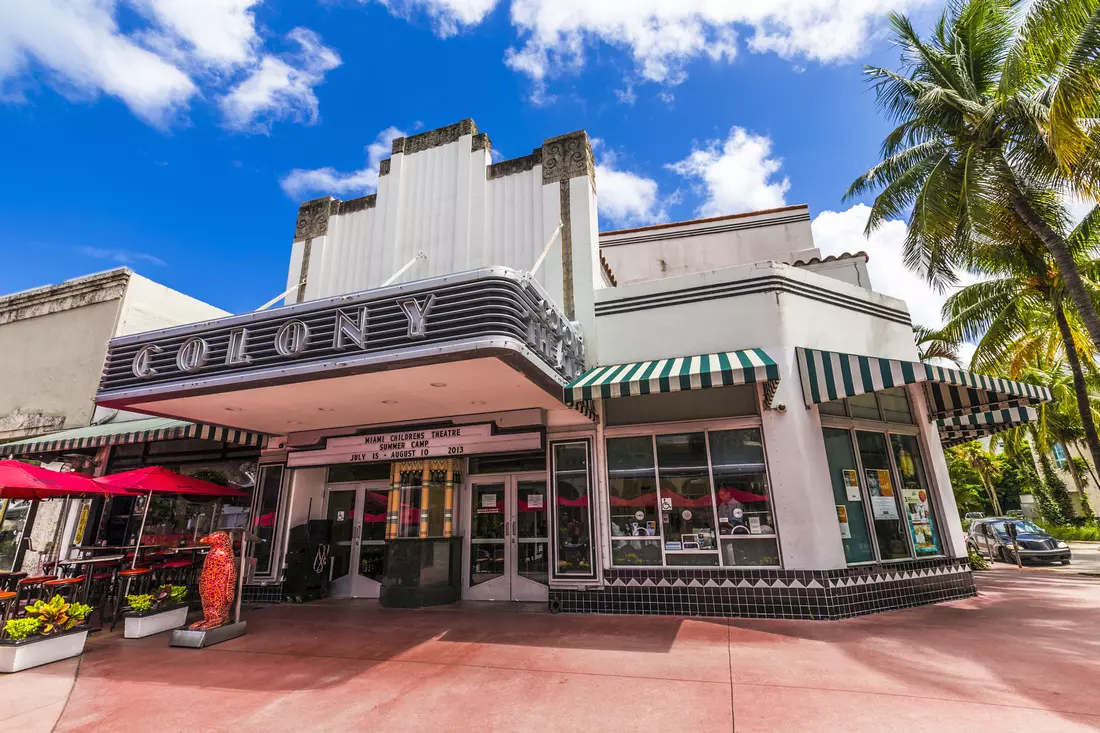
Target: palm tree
{"points": [[1055, 425], [931, 344], [982, 463], [1020, 316], [994, 116]]}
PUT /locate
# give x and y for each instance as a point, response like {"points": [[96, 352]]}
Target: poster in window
{"points": [[535, 501], [884, 507], [842, 517], [920, 520], [885, 485], [851, 485], [666, 504], [488, 501], [754, 525]]}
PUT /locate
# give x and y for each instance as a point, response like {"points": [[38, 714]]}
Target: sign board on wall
{"points": [[410, 445]]}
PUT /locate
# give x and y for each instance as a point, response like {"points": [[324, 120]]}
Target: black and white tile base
{"points": [[802, 594]]}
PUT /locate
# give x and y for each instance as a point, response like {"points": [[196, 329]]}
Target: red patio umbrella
{"points": [[158, 480], [20, 480]]}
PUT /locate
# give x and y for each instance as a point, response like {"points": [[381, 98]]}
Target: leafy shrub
{"points": [[79, 611], [19, 629], [165, 595], [57, 614], [1070, 533], [977, 562], [140, 603]]}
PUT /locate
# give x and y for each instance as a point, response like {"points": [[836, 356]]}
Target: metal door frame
{"points": [[511, 586], [358, 586]]}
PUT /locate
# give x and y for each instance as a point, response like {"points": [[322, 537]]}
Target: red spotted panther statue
{"points": [[218, 583]]}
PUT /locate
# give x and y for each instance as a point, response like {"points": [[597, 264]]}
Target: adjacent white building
{"points": [[54, 341]]}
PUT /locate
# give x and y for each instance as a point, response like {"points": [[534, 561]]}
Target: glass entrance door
{"points": [[358, 550], [508, 531]]}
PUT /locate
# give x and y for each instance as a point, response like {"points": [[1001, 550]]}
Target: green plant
{"points": [[163, 596], [57, 614], [79, 612], [977, 562], [140, 603], [19, 629]]}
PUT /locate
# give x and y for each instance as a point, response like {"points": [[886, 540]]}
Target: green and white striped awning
{"points": [[991, 404], [123, 433], [675, 375], [969, 427]]}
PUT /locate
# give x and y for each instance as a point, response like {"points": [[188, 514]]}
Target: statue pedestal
{"points": [[197, 639]]}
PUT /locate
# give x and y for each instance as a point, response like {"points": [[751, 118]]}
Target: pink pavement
{"points": [[1022, 656]]}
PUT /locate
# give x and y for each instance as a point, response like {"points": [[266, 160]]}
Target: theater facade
{"points": [[488, 399]]}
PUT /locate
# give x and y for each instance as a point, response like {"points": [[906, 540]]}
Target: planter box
{"points": [[35, 651], [138, 625]]}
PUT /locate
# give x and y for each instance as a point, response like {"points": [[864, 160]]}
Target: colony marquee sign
{"points": [[402, 445], [358, 332]]}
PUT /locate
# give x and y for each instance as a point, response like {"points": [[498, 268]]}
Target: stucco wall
{"points": [[51, 363], [148, 305], [670, 250]]}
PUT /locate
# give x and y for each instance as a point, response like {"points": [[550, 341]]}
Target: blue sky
{"points": [[178, 136]]}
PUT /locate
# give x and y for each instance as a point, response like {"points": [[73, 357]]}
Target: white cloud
{"points": [[301, 183], [171, 53], [626, 198], [123, 256], [735, 175], [277, 90], [450, 16], [80, 44], [837, 232], [221, 33], [663, 36], [1077, 208]]}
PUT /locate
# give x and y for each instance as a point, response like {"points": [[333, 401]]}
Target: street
{"points": [[1021, 656]]}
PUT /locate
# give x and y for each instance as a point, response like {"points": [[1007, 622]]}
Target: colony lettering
{"points": [[414, 444], [291, 339], [343, 333]]}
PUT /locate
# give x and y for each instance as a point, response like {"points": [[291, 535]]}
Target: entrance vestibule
{"points": [[503, 518]]}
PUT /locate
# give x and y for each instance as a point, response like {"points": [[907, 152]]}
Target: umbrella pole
{"points": [[58, 534], [141, 531]]}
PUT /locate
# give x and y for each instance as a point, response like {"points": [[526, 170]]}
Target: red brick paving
{"points": [[1023, 656]]}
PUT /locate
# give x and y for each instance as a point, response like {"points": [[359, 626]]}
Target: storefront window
{"points": [[844, 475], [632, 484], [13, 515], [686, 500], [266, 513], [915, 496], [884, 499], [746, 526], [572, 510], [674, 508]]}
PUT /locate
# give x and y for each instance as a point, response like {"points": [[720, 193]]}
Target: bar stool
{"points": [[7, 609], [104, 582], [175, 572], [67, 588], [30, 589], [8, 579], [132, 581]]}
